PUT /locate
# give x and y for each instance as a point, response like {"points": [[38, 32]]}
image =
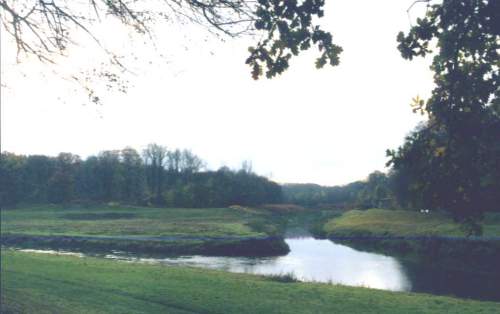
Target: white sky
{"points": [[329, 126]]}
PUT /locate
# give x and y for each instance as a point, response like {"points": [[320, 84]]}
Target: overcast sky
{"points": [[329, 126]]}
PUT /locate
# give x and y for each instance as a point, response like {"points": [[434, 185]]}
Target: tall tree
{"points": [[11, 185], [457, 152], [155, 157], [89, 182], [61, 186], [133, 175], [111, 175], [190, 163], [38, 169]]}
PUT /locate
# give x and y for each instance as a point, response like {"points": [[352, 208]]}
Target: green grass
{"points": [[135, 221], [491, 225], [381, 222], [208, 231], [38, 283]]}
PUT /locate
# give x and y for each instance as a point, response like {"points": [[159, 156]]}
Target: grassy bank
{"points": [[120, 220], [381, 222], [430, 239], [209, 231], [38, 283]]}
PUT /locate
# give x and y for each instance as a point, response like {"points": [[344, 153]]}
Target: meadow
{"points": [[55, 283], [211, 231], [40, 283], [383, 222], [119, 220]]}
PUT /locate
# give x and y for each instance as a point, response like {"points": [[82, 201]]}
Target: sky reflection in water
{"points": [[309, 260]]}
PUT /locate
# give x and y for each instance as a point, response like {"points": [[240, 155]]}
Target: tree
{"points": [[454, 157], [61, 186], [155, 157], [375, 192], [133, 175], [89, 182], [11, 184], [174, 161], [183, 162], [111, 174], [44, 28], [246, 167], [190, 163], [37, 171], [121, 175]]}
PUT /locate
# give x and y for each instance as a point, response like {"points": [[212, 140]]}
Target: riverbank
{"points": [[402, 223], [166, 231], [431, 239], [45, 284], [262, 246]]}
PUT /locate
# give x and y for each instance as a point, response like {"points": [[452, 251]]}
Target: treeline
{"points": [[156, 176], [377, 190], [429, 171], [410, 185]]}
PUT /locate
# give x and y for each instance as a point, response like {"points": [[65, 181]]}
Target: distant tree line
{"points": [[376, 191], [158, 177], [415, 181]]}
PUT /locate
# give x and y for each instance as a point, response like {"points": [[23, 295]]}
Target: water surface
{"points": [[325, 261], [309, 260]]}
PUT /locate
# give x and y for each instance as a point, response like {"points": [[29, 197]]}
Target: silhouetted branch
{"points": [[42, 27]]}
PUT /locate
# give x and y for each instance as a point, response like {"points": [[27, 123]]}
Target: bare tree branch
{"points": [[45, 28]]}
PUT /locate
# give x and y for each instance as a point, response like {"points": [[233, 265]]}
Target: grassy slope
{"points": [[136, 221], [402, 223], [40, 283]]}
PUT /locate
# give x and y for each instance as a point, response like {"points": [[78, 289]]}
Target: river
{"points": [[325, 261]]}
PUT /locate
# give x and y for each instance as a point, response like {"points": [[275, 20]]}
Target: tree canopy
{"points": [[161, 177], [44, 28], [453, 161], [376, 191]]}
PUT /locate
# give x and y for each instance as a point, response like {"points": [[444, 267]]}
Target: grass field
{"points": [[209, 231], [381, 222], [136, 221], [39, 283]]}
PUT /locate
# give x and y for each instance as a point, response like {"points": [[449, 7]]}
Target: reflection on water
{"points": [[309, 260], [325, 261]]}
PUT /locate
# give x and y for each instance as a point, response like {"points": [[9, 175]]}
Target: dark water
{"points": [[325, 261]]}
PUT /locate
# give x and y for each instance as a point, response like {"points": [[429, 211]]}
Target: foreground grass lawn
{"points": [[380, 222], [39, 283], [135, 221]]}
